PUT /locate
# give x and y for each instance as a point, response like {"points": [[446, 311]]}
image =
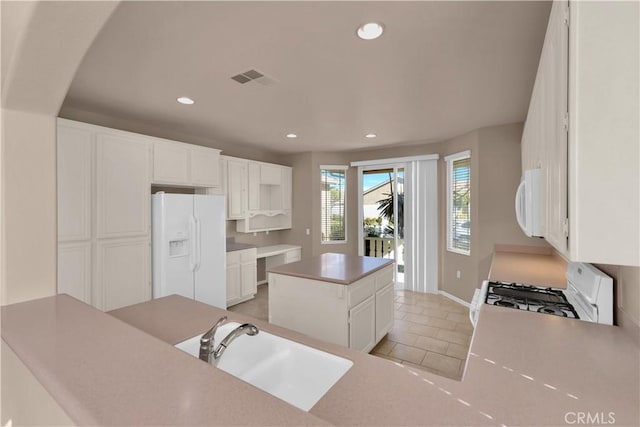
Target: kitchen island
{"points": [[342, 299]]}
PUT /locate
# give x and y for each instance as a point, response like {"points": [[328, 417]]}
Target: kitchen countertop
{"points": [[523, 369], [104, 371], [267, 251], [233, 246], [336, 268]]}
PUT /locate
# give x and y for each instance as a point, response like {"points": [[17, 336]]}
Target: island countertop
{"points": [[343, 269]]}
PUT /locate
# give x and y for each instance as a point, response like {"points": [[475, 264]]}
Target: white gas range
{"points": [[588, 296]]}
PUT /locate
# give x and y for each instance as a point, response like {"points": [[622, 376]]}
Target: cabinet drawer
{"points": [[360, 290], [233, 257], [292, 256], [384, 277], [248, 255]]}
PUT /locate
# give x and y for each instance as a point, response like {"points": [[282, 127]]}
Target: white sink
{"points": [[295, 373]]}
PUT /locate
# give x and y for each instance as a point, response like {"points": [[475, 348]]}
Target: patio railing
{"points": [[378, 246]]}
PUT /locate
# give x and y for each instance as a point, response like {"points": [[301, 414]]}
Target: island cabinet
{"points": [[353, 310]]}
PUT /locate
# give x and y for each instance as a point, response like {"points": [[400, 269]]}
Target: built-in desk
{"points": [[275, 255]]}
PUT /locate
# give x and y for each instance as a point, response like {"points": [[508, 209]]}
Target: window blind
{"points": [[333, 221], [459, 203]]}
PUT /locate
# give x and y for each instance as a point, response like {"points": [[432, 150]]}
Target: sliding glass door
{"points": [[382, 201]]}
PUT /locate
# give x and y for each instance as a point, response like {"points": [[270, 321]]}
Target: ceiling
{"points": [[439, 70]]}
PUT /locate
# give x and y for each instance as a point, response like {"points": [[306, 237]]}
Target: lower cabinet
{"points": [[74, 270], [242, 280], [384, 311], [362, 325], [123, 274]]}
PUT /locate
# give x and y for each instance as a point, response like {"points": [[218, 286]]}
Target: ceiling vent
{"points": [[247, 76]]}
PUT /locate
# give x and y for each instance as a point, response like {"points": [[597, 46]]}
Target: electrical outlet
{"points": [[458, 274], [308, 231]]}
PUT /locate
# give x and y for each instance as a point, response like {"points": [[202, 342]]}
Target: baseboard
{"points": [[455, 298]]}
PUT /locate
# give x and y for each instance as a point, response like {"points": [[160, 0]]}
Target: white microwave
{"points": [[529, 203]]}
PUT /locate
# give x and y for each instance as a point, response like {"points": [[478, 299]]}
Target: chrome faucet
{"points": [[245, 328], [207, 340]]}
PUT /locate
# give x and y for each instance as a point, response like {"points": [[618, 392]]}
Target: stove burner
{"points": [[530, 298], [547, 309], [507, 303]]}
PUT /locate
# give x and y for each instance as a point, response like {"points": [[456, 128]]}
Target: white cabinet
{"points": [[286, 189], [384, 311], [582, 129], [241, 276], [177, 163], [205, 166], [258, 194], [248, 279], [233, 280], [270, 174], [122, 186], [75, 180], [123, 273], [74, 270], [355, 315], [170, 163], [103, 194], [384, 302], [293, 255], [236, 187], [362, 325], [545, 135]]}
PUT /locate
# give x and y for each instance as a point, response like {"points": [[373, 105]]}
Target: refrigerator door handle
{"points": [[198, 244], [193, 256]]}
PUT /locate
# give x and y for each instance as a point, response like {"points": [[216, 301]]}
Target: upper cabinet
{"points": [[122, 186], [582, 131], [258, 194], [75, 178], [176, 163]]}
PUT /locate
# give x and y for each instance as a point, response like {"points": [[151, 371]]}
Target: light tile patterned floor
{"points": [[430, 332], [257, 307]]}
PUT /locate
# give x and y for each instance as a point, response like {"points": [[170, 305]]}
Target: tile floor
{"points": [[430, 332], [257, 307]]}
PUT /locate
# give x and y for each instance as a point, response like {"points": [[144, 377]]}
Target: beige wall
{"points": [[495, 174], [45, 51], [29, 215]]}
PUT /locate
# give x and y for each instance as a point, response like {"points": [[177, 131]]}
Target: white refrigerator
{"points": [[189, 247]]}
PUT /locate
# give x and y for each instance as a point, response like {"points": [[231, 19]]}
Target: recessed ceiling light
{"points": [[292, 135], [185, 100], [370, 31], [370, 135]]}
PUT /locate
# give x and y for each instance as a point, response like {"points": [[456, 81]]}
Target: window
{"points": [[333, 217], [459, 202]]}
